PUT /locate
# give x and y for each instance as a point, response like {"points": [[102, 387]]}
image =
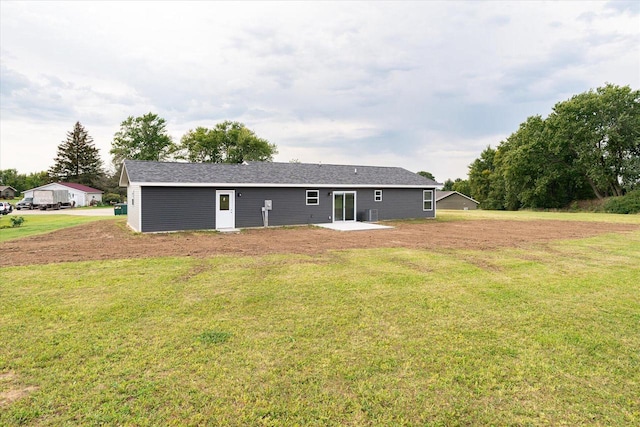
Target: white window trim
{"points": [[316, 197], [424, 199], [377, 195]]}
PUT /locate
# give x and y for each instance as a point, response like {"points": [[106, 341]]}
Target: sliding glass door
{"points": [[344, 206]]}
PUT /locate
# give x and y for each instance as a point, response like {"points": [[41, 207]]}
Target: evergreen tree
{"points": [[78, 159]]}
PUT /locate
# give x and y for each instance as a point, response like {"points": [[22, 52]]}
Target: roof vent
{"points": [[245, 163], [355, 171]]}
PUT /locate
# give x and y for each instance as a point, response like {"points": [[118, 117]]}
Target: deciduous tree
{"points": [[482, 175], [448, 185], [142, 138], [22, 182], [428, 175], [227, 142], [534, 171], [462, 186], [589, 145], [602, 129]]}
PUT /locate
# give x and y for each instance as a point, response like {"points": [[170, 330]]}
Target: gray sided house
{"points": [[163, 196], [7, 192], [454, 200]]}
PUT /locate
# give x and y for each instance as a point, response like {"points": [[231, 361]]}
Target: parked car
{"points": [[5, 208], [26, 203]]}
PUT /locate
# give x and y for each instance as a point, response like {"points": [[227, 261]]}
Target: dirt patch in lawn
{"points": [[111, 239], [10, 391]]}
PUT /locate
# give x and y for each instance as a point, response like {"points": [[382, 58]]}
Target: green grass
{"points": [[41, 224], [547, 335], [453, 215]]}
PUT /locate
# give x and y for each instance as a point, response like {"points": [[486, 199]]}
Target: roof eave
{"points": [[124, 176], [269, 185], [457, 192]]}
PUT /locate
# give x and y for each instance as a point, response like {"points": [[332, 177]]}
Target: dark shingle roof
{"points": [[444, 194], [261, 173]]}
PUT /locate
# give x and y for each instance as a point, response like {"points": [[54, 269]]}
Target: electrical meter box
{"points": [[268, 205]]}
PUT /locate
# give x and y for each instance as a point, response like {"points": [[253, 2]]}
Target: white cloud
{"points": [[423, 85]]}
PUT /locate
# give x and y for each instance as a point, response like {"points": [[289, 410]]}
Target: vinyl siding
{"points": [[193, 208], [177, 208], [456, 201], [133, 207], [289, 206], [397, 203]]}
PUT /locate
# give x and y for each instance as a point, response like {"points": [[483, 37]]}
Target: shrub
{"points": [[16, 221], [111, 198], [627, 204], [591, 205]]}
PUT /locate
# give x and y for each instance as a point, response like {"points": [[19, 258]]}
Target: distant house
{"points": [[455, 200], [165, 196], [79, 195], [7, 192]]}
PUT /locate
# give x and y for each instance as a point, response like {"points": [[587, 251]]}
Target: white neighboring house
{"points": [[78, 193]]}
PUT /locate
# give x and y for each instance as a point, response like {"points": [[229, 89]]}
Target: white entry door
{"points": [[225, 209]]}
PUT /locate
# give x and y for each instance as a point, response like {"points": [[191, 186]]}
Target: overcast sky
{"points": [[420, 85]]}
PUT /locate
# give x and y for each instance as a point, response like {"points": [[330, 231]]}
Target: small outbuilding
{"points": [[79, 195], [455, 200], [166, 196], [7, 192]]}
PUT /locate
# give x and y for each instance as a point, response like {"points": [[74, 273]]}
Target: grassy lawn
{"points": [[548, 335], [41, 224], [457, 215]]}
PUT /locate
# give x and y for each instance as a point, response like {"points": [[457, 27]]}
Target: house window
{"points": [[377, 195], [224, 202], [313, 197], [427, 200]]}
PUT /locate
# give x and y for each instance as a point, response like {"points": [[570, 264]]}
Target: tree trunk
{"points": [[595, 189], [617, 189]]}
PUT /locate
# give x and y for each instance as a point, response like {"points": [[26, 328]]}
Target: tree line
{"points": [[142, 138], [587, 148]]}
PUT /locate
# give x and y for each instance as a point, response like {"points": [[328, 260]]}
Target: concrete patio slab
{"points": [[353, 226]]}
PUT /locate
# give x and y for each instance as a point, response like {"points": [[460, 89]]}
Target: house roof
{"points": [[80, 187], [5, 187], [444, 194], [72, 185], [268, 174]]}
